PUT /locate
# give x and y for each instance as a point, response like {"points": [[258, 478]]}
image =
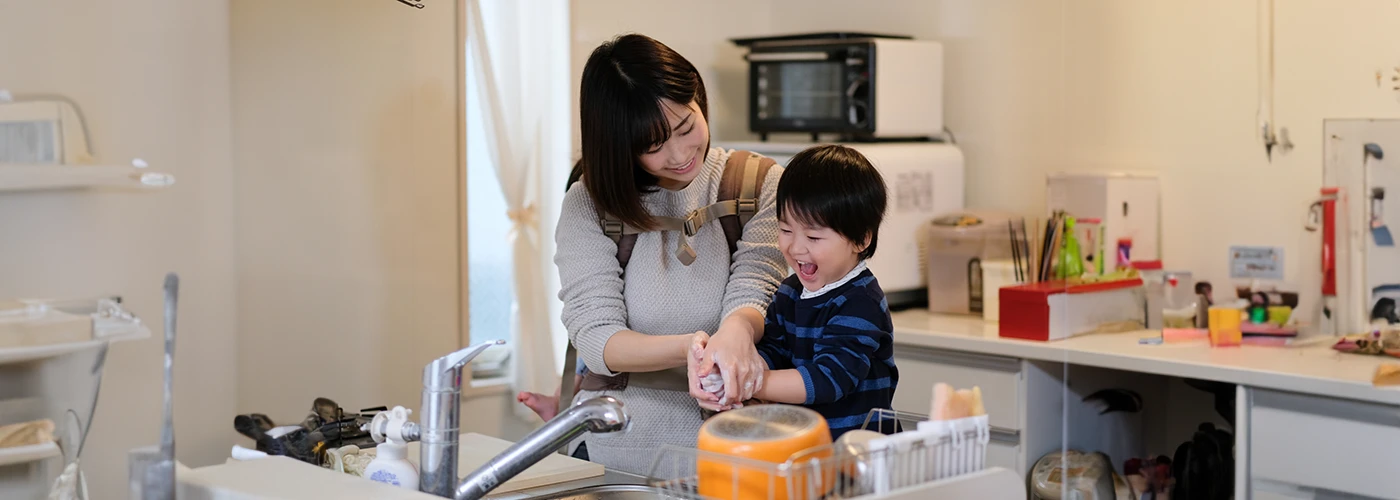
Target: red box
{"points": [[1053, 310]]}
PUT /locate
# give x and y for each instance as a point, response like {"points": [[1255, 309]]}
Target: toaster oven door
{"points": [[809, 90]]}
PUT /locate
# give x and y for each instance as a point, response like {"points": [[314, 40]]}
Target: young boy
{"points": [[828, 335]]}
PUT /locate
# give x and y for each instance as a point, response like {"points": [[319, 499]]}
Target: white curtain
{"points": [[519, 64]]}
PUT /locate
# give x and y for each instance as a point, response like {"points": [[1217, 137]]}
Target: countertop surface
{"points": [[1309, 366]]}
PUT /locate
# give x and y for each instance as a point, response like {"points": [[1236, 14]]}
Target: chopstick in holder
{"points": [[1015, 250]]}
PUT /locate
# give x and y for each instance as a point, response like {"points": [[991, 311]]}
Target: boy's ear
{"points": [[860, 247]]}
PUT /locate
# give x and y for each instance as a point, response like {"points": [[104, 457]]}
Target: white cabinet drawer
{"points": [[1004, 450], [1323, 443], [999, 378]]}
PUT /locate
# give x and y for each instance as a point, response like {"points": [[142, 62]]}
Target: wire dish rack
{"points": [[910, 451]]}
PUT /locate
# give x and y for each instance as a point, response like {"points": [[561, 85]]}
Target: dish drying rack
{"points": [[912, 452]]}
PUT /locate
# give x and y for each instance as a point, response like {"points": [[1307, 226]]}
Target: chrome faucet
{"points": [[602, 414], [439, 429], [440, 420]]}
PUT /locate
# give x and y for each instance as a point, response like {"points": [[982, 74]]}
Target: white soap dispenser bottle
{"points": [[390, 464]]}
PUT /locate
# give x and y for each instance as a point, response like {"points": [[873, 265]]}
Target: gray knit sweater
{"points": [[660, 296]]}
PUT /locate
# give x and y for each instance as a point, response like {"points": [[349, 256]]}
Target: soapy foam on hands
{"points": [[714, 382]]}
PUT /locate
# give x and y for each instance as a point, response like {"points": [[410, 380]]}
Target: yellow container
{"points": [[1224, 326]]}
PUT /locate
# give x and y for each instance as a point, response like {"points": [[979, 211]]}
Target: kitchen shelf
{"points": [[104, 318], [33, 353], [24, 177], [30, 453]]}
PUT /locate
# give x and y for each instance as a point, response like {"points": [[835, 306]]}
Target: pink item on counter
{"points": [[1172, 335]]}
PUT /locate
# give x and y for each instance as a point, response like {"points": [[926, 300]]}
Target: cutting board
{"points": [[474, 450]]}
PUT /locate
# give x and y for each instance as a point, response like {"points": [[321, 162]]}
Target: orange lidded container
{"points": [[763, 436]]}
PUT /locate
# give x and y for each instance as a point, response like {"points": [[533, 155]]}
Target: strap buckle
{"points": [[748, 206], [612, 228], [693, 222]]}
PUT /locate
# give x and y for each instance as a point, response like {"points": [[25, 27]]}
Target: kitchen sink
{"points": [[610, 492]]}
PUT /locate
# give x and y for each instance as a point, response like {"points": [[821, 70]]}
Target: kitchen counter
{"points": [[1300, 411], [282, 477], [1308, 366]]}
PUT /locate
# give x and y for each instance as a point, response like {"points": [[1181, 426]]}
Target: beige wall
{"points": [[345, 150], [1035, 86], [314, 222], [153, 80]]}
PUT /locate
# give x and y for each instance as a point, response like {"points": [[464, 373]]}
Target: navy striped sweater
{"points": [[841, 342]]}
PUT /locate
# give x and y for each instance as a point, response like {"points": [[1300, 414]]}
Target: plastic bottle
{"points": [[1071, 261], [390, 464]]}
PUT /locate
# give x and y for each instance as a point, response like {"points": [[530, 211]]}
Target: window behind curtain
{"points": [[490, 266]]}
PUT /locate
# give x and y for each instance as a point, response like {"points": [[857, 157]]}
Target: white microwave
{"points": [[860, 86]]}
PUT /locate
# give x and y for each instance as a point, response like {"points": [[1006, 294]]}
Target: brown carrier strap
{"points": [[736, 202]]}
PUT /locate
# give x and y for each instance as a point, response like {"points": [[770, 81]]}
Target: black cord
{"points": [[951, 138], [412, 3]]}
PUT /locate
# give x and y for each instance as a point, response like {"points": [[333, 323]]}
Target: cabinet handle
{"points": [[964, 359], [787, 56], [1006, 436]]}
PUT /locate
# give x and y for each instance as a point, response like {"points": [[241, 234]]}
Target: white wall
{"points": [[698, 31], [1035, 86], [152, 79], [345, 133], [1170, 87]]}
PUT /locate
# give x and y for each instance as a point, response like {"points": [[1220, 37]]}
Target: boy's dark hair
{"points": [[834, 186], [621, 118]]}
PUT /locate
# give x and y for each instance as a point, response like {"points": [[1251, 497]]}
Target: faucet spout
{"points": [[598, 415], [444, 371]]}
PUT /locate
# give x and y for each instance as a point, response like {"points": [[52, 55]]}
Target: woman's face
{"points": [[677, 161]]}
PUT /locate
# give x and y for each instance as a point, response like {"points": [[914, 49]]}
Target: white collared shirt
{"points": [[860, 266]]}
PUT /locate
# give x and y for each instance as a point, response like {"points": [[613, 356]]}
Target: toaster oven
{"points": [[859, 86]]}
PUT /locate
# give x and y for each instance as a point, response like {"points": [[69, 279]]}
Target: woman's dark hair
{"points": [[621, 118], [836, 187]]}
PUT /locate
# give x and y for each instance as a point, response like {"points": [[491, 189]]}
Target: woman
{"points": [[646, 154]]}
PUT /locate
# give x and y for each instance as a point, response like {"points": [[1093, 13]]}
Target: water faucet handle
{"points": [[393, 426]]}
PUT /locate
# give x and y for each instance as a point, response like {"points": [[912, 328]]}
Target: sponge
{"points": [[950, 404]]}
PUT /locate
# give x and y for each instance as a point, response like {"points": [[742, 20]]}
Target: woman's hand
{"points": [[693, 356], [732, 352]]}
